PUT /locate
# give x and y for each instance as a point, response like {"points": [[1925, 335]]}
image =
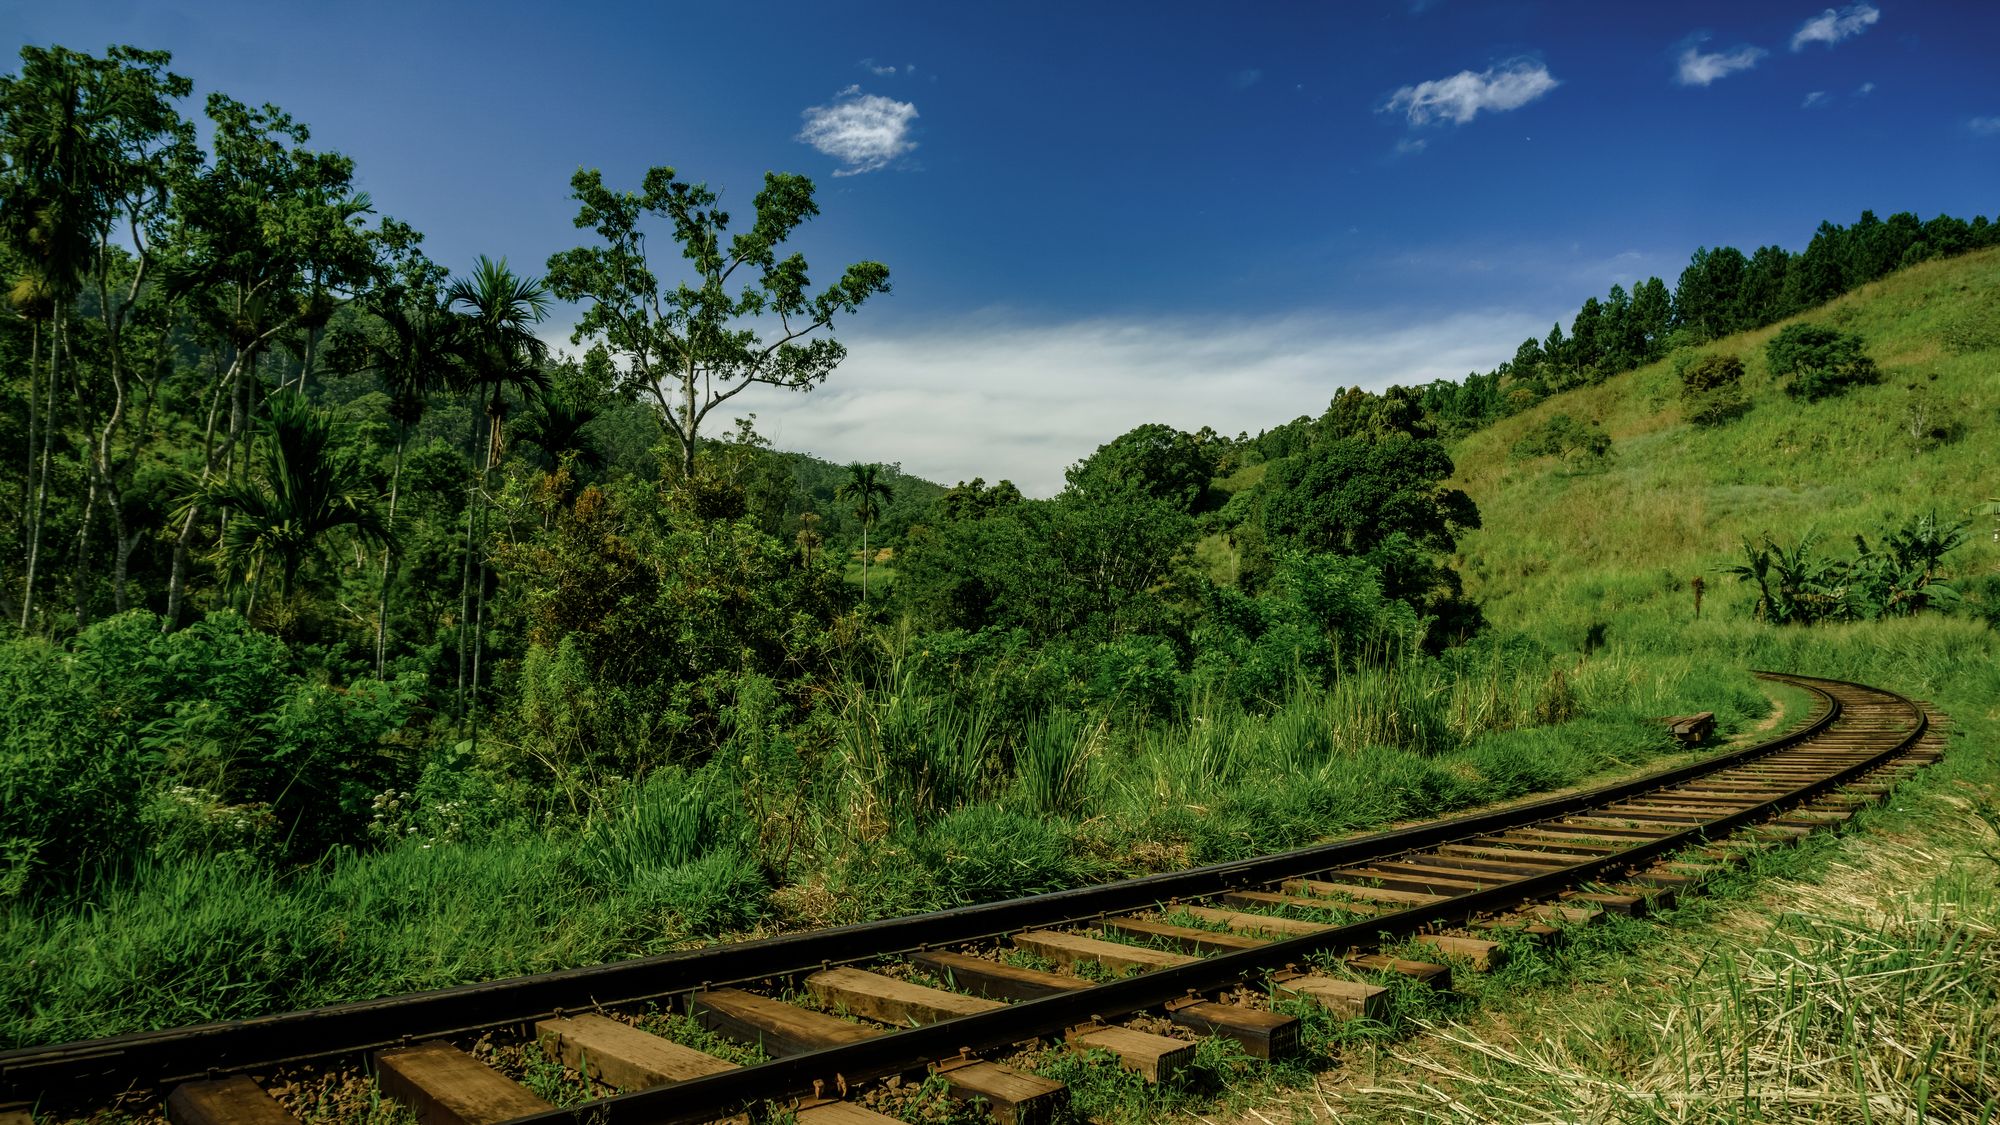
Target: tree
{"points": [[302, 493], [693, 347], [257, 233], [1763, 297], [499, 351], [1819, 362], [1652, 317], [1708, 299], [1151, 460], [1712, 390], [85, 142], [864, 489], [413, 359], [1348, 496]]}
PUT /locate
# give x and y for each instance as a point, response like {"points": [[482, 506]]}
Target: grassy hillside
{"points": [[1563, 552]]}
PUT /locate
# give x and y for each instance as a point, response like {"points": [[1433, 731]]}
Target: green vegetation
{"points": [[359, 646], [1616, 551]]}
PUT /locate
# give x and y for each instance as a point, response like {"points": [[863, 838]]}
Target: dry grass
{"points": [[1869, 994]]}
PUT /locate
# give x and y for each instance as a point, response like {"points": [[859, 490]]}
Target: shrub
{"points": [[1820, 362], [1572, 442], [1712, 390], [98, 736]]}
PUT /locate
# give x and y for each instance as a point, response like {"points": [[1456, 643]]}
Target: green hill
{"points": [[1564, 552]]}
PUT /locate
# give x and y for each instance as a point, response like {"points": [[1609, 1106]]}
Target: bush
{"points": [[1820, 362], [1712, 390], [1572, 442], [130, 736]]}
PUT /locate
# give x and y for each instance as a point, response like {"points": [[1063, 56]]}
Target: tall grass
{"points": [[910, 755]]}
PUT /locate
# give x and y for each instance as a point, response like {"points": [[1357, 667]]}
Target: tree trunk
{"points": [[34, 426], [866, 557], [472, 498], [177, 577], [40, 509], [479, 613], [388, 555], [688, 423]]}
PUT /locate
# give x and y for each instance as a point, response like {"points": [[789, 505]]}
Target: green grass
{"points": [[1850, 979], [1559, 554]]}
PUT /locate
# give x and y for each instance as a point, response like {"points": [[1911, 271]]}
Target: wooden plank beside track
{"points": [[621, 1055], [897, 1003], [994, 980], [1075, 949], [445, 1086], [224, 1101], [1187, 939], [1262, 1034], [842, 1113], [780, 1028], [1343, 999], [1013, 1098], [1248, 923], [1152, 1057], [1481, 954]]}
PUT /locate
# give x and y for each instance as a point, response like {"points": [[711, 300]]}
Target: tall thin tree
{"points": [[868, 492], [413, 358], [500, 351]]}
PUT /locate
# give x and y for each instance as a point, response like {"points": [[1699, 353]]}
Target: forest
{"points": [[326, 580]]}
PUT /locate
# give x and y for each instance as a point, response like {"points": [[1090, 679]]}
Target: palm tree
{"points": [[558, 424], [865, 489], [298, 495], [413, 362], [499, 350]]}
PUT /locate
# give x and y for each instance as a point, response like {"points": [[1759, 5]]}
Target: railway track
{"points": [[1216, 950]]}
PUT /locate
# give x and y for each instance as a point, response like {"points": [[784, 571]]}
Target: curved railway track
{"points": [[1209, 948]]}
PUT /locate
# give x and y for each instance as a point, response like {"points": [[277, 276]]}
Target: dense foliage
{"points": [[326, 580]]}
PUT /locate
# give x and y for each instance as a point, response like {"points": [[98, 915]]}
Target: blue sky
{"points": [[1102, 215]]}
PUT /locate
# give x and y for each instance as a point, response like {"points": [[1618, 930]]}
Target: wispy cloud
{"points": [[1985, 126], [1865, 89], [862, 131], [1830, 26], [1816, 98], [889, 71], [1461, 97], [1699, 68], [1410, 146], [999, 398], [1247, 77]]}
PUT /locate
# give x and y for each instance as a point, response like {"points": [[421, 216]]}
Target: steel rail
{"points": [[161, 1057]]}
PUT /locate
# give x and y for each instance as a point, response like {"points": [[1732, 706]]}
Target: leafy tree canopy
{"points": [[1820, 362], [1349, 495], [1152, 460]]}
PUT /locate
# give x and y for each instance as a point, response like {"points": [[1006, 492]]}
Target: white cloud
{"points": [[1817, 97], [998, 398], [1985, 126], [863, 131], [1409, 146], [1830, 26], [1866, 89], [1459, 98], [1700, 69]]}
